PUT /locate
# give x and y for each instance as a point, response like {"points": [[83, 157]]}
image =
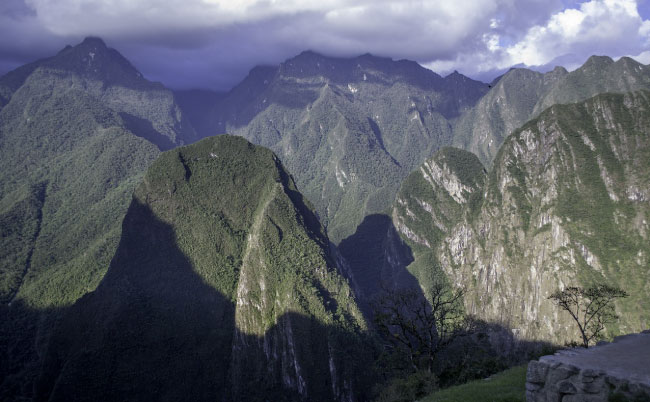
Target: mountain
{"points": [[521, 94], [349, 130], [148, 108], [565, 203], [431, 201], [222, 288], [77, 132]]}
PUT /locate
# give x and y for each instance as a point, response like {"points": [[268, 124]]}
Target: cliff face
{"points": [[431, 201], [222, 288], [565, 203], [348, 129], [521, 95]]}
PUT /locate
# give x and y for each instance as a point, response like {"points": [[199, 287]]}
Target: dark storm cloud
{"points": [[204, 43]]}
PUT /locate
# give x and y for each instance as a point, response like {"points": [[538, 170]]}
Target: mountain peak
{"points": [[93, 59], [559, 70], [628, 62], [598, 61], [93, 41]]}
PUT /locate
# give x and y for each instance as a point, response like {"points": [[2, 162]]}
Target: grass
{"points": [[507, 386]]}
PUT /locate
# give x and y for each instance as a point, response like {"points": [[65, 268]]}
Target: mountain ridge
{"points": [[248, 290], [562, 205], [521, 94], [349, 129]]}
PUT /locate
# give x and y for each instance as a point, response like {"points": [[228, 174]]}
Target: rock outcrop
{"points": [[565, 203], [595, 374]]}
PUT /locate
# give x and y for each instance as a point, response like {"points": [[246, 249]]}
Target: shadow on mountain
{"points": [[154, 330], [376, 258], [23, 334], [374, 261], [144, 129]]}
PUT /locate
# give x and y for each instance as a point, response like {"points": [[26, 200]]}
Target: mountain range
{"points": [[134, 263]]}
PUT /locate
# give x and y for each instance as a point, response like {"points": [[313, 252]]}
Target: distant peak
{"points": [[628, 61], [93, 40], [596, 60], [559, 70], [308, 53]]}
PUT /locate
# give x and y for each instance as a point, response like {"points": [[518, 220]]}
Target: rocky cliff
{"points": [[565, 203]]}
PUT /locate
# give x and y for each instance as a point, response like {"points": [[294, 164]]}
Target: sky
{"points": [[214, 43]]}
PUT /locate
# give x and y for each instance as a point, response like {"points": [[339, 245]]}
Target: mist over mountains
{"points": [[137, 238]]}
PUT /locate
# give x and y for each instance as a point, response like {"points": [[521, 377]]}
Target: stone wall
{"points": [[620, 369]]}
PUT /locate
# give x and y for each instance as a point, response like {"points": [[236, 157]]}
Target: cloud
{"points": [[613, 27], [198, 43], [603, 27]]}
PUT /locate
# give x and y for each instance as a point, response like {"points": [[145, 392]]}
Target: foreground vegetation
{"points": [[507, 386]]}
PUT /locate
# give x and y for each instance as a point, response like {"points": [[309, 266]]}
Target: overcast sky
{"points": [[213, 43]]}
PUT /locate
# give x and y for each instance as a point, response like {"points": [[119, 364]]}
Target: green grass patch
{"points": [[507, 386]]}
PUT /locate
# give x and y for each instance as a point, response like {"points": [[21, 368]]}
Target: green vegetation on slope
{"points": [[223, 272], [77, 132], [566, 199], [521, 95], [431, 201], [507, 386], [349, 130]]}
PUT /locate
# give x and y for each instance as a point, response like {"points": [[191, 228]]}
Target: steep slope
{"points": [[348, 129], [222, 288], [431, 201], [70, 157], [77, 131], [521, 94], [566, 203], [400, 249]]}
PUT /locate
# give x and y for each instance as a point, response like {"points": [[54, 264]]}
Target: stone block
{"points": [[536, 372], [584, 398], [566, 387], [591, 373], [561, 373], [614, 382], [552, 396], [596, 386]]}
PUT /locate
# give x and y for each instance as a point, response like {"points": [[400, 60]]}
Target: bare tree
{"points": [[421, 326], [590, 308]]}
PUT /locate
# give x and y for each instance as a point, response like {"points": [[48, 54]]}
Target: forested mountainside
{"points": [[522, 94], [349, 130], [71, 155], [77, 131], [222, 288], [565, 203], [212, 270]]}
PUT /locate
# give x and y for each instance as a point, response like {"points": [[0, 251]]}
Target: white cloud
{"points": [[598, 26], [567, 37], [217, 40]]}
